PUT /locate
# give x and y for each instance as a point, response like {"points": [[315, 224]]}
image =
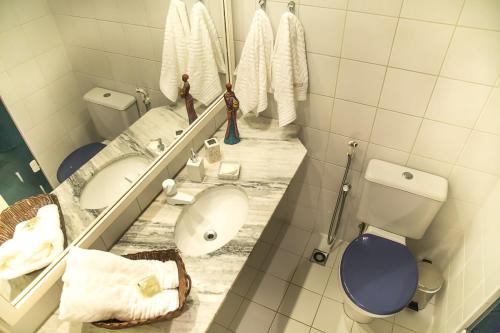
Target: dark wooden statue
{"points": [[192, 116], [232, 136]]}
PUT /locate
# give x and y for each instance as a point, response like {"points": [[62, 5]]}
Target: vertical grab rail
{"points": [[345, 187]]}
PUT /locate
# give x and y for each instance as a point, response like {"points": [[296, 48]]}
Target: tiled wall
{"points": [[415, 82], [117, 44], [473, 274], [37, 84]]}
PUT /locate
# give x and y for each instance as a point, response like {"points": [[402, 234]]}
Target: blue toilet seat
{"points": [[379, 275], [76, 159]]}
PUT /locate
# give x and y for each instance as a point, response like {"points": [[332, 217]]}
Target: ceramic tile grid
{"points": [[415, 83], [280, 291]]}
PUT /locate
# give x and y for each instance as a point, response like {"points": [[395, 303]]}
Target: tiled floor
{"points": [[279, 290]]}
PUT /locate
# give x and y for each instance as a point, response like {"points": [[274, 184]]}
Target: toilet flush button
{"points": [[408, 175]]}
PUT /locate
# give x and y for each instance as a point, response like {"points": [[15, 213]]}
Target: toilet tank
{"points": [[111, 112], [400, 200]]}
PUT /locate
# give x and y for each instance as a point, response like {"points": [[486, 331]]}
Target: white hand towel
{"points": [[253, 79], [175, 52], [206, 59], [99, 285], [32, 248], [290, 77]]}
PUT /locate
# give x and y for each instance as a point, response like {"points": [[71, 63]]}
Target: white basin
{"points": [[112, 182], [212, 221]]}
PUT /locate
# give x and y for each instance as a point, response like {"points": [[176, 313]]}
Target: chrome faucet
{"points": [[146, 100], [174, 197], [161, 146]]}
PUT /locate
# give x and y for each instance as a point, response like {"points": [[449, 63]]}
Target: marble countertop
{"points": [[269, 158]]}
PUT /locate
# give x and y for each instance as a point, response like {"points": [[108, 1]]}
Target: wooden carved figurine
{"points": [[192, 116], [232, 104]]}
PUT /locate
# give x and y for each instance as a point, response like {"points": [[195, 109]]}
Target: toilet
{"points": [[378, 274], [111, 113]]}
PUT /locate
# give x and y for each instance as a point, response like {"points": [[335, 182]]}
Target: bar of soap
{"points": [[149, 286], [229, 170]]}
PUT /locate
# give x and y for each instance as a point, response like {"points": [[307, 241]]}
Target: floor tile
{"points": [[258, 255], [292, 239], [283, 324], [339, 249], [333, 288], [244, 280], [300, 304], [311, 276], [267, 290], [252, 318], [216, 328], [319, 241], [376, 326], [399, 329], [228, 309], [416, 321], [331, 317], [281, 263]]}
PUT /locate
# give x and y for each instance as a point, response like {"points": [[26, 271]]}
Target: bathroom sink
{"points": [[111, 183], [212, 221]]}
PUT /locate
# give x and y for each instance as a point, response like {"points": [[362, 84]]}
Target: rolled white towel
{"points": [[99, 285], [33, 245]]}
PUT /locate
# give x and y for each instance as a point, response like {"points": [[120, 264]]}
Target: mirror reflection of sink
{"points": [[111, 183], [212, 221]]}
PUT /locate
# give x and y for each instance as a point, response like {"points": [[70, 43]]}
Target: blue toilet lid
{"points": [[77, 158], [379, 275]]}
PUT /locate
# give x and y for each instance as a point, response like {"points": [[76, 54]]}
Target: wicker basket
{"points": [[26, 209], [184, 290]]}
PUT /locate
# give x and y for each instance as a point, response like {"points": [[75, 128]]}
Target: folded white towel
{"points": [[100, 285], [32, 246], [253, 80], [290, 77], [206, 59], [175, 52]]}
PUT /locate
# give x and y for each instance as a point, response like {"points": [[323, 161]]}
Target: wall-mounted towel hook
{"points": [[291, 6], [262, 3]]}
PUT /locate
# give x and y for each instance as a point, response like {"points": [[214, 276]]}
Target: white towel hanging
{"points": [[253, 80], [290, 77], [175, 52]]}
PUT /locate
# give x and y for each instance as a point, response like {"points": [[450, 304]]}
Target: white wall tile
{"points": [[440, 141], [316, 142], [316, 23], [8, 18], [54, 63], [139, 41], [40, 105], [27, 77], [360, 82], [338, 148], [442, 11], [481, 14], [113, 37], [132, 11], [14, 48], [42, 34], [406, 91], [457, 102], [469, 185], [489, 120], [383, 7], [157, 12], [352, 119], [481, 153], [395, 130], [318, 65], [420, 46], [30, 9], [375, 151], [429, 165], [315, 112], [474, 55], [368, 37]]}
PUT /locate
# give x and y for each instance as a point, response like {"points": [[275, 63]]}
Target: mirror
{"points": [[92, 94]]}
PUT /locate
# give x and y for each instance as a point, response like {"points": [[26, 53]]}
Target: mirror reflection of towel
{"points": [[205, 57], [174, 59], [34, 245]]}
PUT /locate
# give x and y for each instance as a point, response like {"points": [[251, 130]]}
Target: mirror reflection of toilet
{"points": [[378, 273]]}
